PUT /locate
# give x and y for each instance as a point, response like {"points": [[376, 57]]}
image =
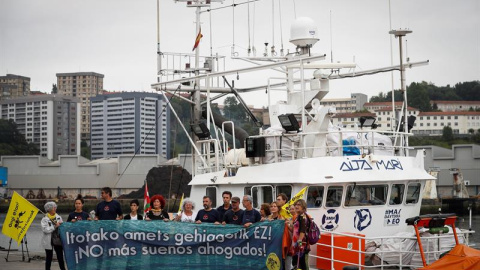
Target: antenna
{"points": [[331, 39]]}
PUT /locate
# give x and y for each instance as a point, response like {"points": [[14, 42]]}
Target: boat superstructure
{"points": [[359, 180]]}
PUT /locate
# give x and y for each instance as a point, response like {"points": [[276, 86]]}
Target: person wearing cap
{"points": [[250, 215], [234, 215], [208, 214]]}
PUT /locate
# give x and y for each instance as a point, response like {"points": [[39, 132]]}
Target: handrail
{"points": [[401, 253]]}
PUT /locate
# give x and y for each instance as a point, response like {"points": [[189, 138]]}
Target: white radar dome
{"points": [[303, 32]]}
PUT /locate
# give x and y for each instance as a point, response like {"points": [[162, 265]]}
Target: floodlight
{"points": [[367, 121], [289, 122], [200, 130], [410, 123]]}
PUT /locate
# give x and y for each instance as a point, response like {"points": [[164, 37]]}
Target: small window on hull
{"points": [[314, 196], [334, 196]]}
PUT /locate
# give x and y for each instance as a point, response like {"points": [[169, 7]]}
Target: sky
{"points": [[118, 38]]}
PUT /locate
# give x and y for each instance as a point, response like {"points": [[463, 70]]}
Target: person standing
{"points": [[78, 214], [264, 211], [287, 235], [281, 201], [274, 212], [208, 214], [222, 209], [50, 223], [134, 215], [250, 215], [158, 209], [109, 209], [234, 215], [299, 239], [188, 214]]}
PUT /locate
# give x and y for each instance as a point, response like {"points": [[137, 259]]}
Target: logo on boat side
{"points": [[364, 165], [330, 220], [363, 219]]}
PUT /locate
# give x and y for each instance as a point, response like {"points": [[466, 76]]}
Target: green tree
{"points": [[468, 90], [379, 98], [85, 150], [447, 134], [12, 142], [54, 89], [418, 96], [233, 110]]}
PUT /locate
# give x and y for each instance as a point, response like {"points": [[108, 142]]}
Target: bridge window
{"points": [[334, 196], [262, 194], [287, 190], [396, 197], [413, 193], [358, 195], [314, 196]]}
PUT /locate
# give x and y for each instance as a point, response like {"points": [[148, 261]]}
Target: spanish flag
{"points": [[20, 216], [197, 40], [285, 211]]}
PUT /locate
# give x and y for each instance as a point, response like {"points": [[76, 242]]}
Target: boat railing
{"points": [[212, 157], [334, 145], [380, 258], [295, 147]]}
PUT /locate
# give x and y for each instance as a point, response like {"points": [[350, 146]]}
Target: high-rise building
{"points": [[49, 121], [121, 123], [14, 86], [83, 85]]}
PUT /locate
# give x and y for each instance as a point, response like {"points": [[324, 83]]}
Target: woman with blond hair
{"points": [[274, 212]]}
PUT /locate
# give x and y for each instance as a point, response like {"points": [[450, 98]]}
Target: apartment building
{"points": [[14, 86], [455, 105], [349, 120], [373, 106], [49, 121], [123, 122], [461, 122], [356, 102], [82, 85]]}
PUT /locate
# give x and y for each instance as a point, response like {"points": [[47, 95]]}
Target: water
{"points": [[34, 233]]}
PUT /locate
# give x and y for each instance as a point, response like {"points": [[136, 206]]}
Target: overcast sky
{"points": [[117, 38]]}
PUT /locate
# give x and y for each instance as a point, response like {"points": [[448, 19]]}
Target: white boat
{"points": [[360, 181]]}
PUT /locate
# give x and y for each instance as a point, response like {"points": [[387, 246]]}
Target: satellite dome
{"points": [[303, 32]]}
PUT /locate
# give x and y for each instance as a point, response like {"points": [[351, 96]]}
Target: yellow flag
{"points": [[180, 207], [285, 211], [20, 215]]}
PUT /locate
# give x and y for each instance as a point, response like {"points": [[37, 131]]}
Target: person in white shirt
{"points": [[188, 213], [134, 215]]}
